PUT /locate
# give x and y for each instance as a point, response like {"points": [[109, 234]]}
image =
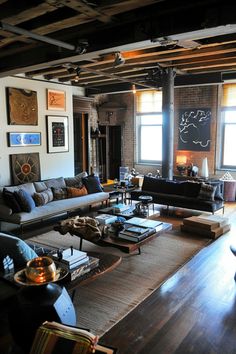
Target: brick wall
{"points": [[197, 97], [185, 97]]}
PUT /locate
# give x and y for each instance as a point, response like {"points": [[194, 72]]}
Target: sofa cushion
{"points": [[92, 184], [75, 181], [40, 186], [25, 200], [191, 189], [218, 192], [15, 248], [10, 200], [44, 197], [59, 193], [76, 192], [207, 192], [152, 184], [27, 187], [55, 182]]}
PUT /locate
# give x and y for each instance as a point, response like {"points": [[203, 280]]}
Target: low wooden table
{"points": [[107, 262], [113, 241], [130, 247]]}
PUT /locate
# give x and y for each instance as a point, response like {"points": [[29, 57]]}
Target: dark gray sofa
{"points": [[54, 197], [183, 194]]}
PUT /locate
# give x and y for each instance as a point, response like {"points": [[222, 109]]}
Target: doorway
{"points": [[80, 142], [109, 151]]}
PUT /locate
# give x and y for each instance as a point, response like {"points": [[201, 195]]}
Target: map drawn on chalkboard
{"points": [[194, 129]]}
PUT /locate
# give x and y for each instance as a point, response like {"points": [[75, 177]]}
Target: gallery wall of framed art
{"points": [[20, 134]]}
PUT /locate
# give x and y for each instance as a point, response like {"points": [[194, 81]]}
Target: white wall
{"points": [[53, 164]]}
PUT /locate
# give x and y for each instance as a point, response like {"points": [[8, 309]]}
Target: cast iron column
{"points": [[168, 122]]}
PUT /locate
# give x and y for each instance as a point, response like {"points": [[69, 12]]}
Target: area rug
{"points": [[105, 301]]}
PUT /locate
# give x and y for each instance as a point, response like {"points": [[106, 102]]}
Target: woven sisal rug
{"points": [[105, 301]]}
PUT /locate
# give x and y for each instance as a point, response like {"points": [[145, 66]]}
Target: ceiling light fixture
{"points": [[134, 89], [119, 60]]}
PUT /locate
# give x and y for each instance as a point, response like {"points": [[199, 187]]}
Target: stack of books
{"points": [[156, 224], [119, 208], [76, 262], [136, 233], [105, 219], [211, 226]]}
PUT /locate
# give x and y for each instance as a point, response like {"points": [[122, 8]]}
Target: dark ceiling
{"points": [[106, 46]]}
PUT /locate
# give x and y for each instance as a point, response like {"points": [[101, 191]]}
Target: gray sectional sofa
{"points": [[37, 201], [201, 196]]}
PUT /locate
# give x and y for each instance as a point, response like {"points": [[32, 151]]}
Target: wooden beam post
{"points": [[168, 122]]}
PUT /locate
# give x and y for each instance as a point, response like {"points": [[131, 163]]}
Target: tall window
{"points": [[228, 126], [149, 127]]}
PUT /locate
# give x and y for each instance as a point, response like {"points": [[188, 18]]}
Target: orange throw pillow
{"points": [[76, 192]]}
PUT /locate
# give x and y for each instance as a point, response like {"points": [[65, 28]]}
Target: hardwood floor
{"points": [[193, 312]]}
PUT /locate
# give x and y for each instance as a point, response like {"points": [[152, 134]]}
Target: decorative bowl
{"points": [[41, 269]]}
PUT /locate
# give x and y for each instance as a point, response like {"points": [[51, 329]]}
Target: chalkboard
{"points": [[194, 129]]}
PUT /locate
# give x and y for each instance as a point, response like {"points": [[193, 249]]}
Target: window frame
{"points": [[222, 137], [139, 128]]}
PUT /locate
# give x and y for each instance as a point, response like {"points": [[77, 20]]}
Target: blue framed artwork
{"points": [[24, 139]]}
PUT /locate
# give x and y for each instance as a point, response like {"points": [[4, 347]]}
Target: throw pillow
{"points": [[15, 248], [43, 197], [10, 200], [55, 182], [76, 192], [59, 193], [40, 186], [76, 181], [92, 184], [25, 200], [207, 192]]}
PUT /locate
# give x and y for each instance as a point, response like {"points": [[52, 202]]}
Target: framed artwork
{"points": [[25, 168], [24, 139], [22, 106], [194, 129], [57, 134], [56, 100]]}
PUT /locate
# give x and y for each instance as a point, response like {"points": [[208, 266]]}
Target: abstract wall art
{"points": [[25, 168], [194, 129], [22, 106], [57, 134]]}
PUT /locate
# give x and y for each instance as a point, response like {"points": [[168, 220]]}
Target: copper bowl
{"points": [[41, 270]]}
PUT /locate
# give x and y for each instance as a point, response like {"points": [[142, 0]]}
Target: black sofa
{"points": [[205, 196]]}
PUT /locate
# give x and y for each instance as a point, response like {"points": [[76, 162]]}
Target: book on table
{"points": [[106, 218], [70, 256], [84, 268], [119, 208], [130, 234], [144, 222]]}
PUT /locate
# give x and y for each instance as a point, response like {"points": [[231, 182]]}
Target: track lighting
{"points": [[119, 60]]}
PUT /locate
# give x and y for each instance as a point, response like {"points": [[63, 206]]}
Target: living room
{"points": [[206, 93]]}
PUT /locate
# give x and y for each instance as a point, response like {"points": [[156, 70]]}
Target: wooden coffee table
{"points": [[130, 247], [113, 241], [107, 262]]}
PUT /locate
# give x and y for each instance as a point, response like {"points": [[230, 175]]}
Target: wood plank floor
{"points": [[193, 312]]}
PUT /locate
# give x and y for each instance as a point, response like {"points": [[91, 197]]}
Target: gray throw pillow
{"points": [[55, 182], [207, 192], [76, 181]]}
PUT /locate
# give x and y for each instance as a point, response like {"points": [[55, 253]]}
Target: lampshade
{"points": [[181, 159]]}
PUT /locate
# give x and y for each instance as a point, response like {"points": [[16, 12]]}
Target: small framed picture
{"points": [[57, 134], [56, 100], [24, 139]]}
